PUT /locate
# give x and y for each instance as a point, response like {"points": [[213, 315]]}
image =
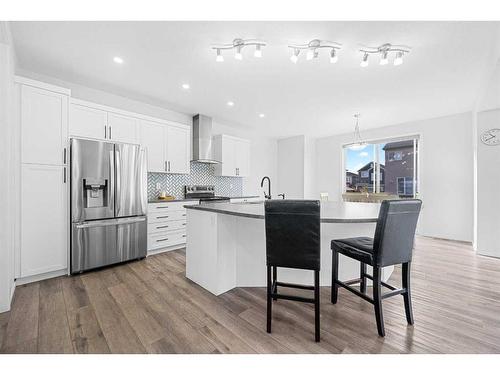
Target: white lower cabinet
{"points": [[44, 224], [167, 225]]}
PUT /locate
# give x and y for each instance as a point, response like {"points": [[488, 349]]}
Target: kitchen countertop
{"points": [[173, 200], [331, 212], [197, 199]]}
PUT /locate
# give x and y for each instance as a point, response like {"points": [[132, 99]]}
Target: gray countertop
{"points": [[196, 199], [174, 200], [331, 212]]}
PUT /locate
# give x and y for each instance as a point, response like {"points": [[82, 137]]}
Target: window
{"points": [[387, 169], [395, 155], [405, 186]]}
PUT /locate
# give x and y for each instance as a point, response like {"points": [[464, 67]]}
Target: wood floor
{"points": [[150, 307]]}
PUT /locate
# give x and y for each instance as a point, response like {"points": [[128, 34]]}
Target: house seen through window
{"points": [[386, 169]]}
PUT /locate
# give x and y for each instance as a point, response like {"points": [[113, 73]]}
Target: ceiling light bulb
{"points": [[384, 60], [262, 115], [399, 58], [333, 56], [219, 57], [364, 62], [295, 56], [118, 60], [230, 103], [258, 51], [185, 86], [238, 55], [310, 54]]}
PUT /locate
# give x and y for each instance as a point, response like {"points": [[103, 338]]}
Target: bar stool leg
{"points": [[407, 295], [316, 306], [275, 277], [362, 273], [269, 300], [377, 300], [335, 273]]}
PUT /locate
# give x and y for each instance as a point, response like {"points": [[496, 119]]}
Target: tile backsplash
{"points": [[201, 174]]}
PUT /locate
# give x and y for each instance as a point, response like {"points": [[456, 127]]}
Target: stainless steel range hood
{"points": [[202, 140]]}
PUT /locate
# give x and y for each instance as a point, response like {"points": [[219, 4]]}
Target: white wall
{"points": [[291, 153], [7, 168], [446, 171], [263, 150], [488, 187]]}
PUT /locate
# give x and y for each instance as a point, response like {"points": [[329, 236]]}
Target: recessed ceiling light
{"points": [[185, 86], [230, 103], [118, 60], [261, 115]]}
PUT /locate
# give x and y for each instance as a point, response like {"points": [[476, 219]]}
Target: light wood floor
{"points": [[149, 306]]}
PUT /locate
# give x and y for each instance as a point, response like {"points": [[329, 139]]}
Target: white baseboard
{"points": [[43, 276], [166, 249]]}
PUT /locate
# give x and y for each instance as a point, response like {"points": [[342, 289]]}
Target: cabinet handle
{"points": [[110, 132], [162, 217], [183, 235], [169, 165], [64, 155], [162, 207], [162, 226], [166, 168], [183, 223], [64, 175], [105, 132], [163, 239]]}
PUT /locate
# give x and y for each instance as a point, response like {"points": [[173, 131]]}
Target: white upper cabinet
{"points": [[234, 155], [44, 126], [167, 147], [153, 140], [243, 157], [122, 128], [88, 122], [178, 151]]}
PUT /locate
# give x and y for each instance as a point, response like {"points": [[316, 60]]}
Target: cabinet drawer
{"points": [[156, 241], [166, 227], [167, 207], [162, 217]]}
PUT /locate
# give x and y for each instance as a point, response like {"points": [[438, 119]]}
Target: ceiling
{"points": [[442, 75]]}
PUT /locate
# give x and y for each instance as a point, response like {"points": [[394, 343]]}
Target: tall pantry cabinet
{"points": [[43, 115]]}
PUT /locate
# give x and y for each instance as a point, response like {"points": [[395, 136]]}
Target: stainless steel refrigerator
{"points": [[108, 203]]}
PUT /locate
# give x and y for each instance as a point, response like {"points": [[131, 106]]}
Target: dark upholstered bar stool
{"points": [[393, 244], [292, 241]]}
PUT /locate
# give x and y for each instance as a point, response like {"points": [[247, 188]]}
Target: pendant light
{"points": [[358, 143]]}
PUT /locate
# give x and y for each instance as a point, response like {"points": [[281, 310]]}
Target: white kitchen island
{"points": [[226, 244]]}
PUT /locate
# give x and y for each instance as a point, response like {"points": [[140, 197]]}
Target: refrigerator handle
{"points": [[107, 223], [111, 192], [117, 172]]}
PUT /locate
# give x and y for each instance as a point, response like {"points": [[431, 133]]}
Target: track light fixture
{"points": [[384, 50], [238, 45], [295, 56], [313, 48], [364, 62]]}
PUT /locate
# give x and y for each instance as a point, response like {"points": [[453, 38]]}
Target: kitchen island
{"points": [[226, 244]]}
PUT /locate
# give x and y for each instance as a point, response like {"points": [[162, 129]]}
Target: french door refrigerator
{"points": [[108, 203]]}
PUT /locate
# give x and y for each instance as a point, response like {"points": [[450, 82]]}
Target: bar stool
{"points": [[393, 244], [292, 241]]}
